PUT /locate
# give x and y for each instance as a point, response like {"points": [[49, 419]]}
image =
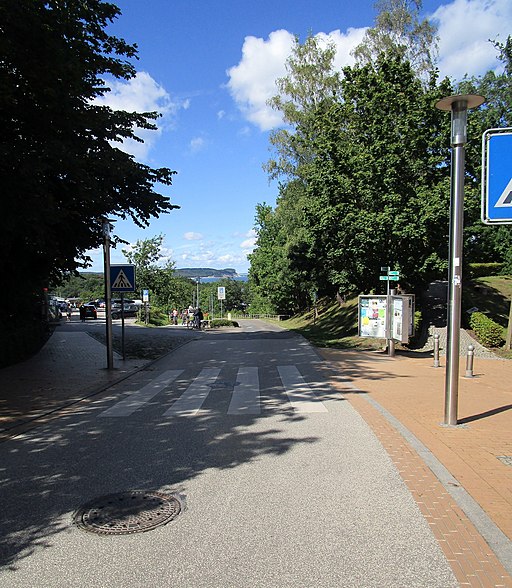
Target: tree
{"points": [[309, 81], [61, 172], [398, 28], [145, 255], [483, 243]]}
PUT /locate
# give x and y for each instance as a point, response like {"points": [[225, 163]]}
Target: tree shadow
{"points": [[48, 473]]}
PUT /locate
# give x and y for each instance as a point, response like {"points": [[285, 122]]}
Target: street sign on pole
{"points": [[122, 278], [497, 176], [221, 293]]}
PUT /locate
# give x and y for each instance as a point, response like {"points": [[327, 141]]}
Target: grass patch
{"points": [[335, 326], [491, 295]]}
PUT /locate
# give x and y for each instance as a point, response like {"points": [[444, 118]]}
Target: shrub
{"points": [[481, 270], [157, 317], [488, 332], [223, 323]]}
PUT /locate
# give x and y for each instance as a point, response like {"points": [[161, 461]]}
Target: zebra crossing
{"points": [[246, 397]]}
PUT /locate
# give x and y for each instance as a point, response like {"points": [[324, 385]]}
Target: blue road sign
{"points": [[497, 176], [122, 278]]}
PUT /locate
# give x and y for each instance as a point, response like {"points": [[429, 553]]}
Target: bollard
{"points": [[469, 361], [436, 350]]}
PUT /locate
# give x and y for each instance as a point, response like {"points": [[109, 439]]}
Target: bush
{"points": [[223, 323], [157, 316], [488, 332], [482, 270]]}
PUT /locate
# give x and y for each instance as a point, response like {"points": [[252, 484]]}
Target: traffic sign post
{"points": [[497, 187], [122, 278], [497, 176]]}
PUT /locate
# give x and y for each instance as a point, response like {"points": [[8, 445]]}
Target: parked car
{"points": [[88, 311], [128, 310]]}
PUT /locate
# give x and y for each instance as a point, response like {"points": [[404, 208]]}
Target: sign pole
{"points": [[458, 105], [108, 313]]}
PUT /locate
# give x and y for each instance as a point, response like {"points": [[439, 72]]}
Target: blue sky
{"points": [[209, 66]]}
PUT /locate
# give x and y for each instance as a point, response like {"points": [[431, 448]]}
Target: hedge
{"points": [[488, 332], [482, 270]]}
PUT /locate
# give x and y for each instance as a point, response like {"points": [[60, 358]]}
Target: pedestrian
{"points": [[184, 315], [174, 316], [82, 313], [68, 311], [198, 316]]}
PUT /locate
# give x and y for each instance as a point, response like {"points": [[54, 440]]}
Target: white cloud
{"points": [[252, 81], [191, 236], [465, 27], [197, 144], [141, 94]]}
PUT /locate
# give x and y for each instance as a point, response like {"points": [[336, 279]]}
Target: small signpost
{"points": [[391, 276], [122, 279], [221, 295]]}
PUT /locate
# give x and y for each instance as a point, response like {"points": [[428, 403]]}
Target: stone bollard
{"points": [[469, 361], [436, 350]]}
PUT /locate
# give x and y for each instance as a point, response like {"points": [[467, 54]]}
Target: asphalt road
{"points": [[282, 483]]}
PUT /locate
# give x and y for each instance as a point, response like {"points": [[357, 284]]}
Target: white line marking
{"points": [[138, 398], [300, 395], [192, 399], [246, 394]]}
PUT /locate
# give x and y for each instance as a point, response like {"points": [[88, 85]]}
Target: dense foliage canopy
{"points": [[61, 169], [365, 168]]}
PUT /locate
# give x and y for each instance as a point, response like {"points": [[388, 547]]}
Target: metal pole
{"points": [[108, 301], [469, 361], [454, 285], [458, 105], [436, 350], [391, 348], [122, 326]]}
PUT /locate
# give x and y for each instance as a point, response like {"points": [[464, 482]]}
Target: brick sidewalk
{"points": [[69, 367], [412, 391]]}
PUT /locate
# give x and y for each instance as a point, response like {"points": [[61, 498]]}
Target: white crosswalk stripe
{"points": [[301, 396], [245, 398], [129, 405], [190, 402], [246, 393]]}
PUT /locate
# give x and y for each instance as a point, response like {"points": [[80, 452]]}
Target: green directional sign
{"points": [[394, 274], [384, 278]]}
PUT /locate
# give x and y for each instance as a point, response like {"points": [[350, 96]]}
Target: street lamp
{"points": [[458, 106]]}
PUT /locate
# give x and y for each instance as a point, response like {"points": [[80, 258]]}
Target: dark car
{"points": [[88, 311], [128, 310]]}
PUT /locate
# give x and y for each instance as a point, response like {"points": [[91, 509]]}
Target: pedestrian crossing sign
{"points": [[122, 278]]}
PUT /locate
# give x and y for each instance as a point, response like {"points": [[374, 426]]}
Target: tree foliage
{"points": [[398, 27], [366, 173], [61, 171]]}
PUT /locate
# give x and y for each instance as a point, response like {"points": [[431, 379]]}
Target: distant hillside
{"points": [[206, 272]]}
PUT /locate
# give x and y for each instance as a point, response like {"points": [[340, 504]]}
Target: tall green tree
{"points": [[61, 168], [399, 27], [484, 243], [310, 79]]}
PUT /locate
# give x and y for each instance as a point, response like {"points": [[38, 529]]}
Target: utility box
{"points": [[373, 313]]}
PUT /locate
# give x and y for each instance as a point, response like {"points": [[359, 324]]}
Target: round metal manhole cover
{"points": [[127, 512]]}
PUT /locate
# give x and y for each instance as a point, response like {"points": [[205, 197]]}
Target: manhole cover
{"points": [[127, 512]]}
